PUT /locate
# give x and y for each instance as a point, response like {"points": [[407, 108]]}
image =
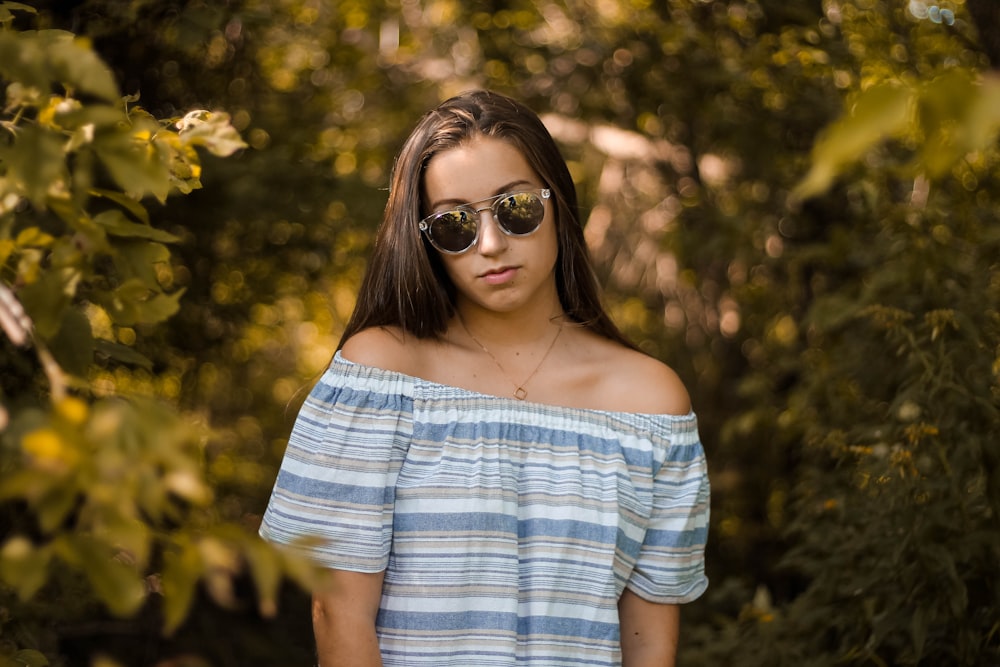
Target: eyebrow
{"points": [[499, 191]]}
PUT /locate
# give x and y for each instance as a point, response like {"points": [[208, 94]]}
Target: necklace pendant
{"points": [[520, 393]]}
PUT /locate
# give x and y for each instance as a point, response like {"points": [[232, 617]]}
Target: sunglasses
{"points": [[457, 230]]}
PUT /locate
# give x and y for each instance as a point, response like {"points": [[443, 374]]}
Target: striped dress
{"points": [[507, 529]]}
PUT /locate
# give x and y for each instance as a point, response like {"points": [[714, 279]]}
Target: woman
{"points": [[492, 473]]}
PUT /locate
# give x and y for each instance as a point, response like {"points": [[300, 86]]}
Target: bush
{"points": [[104, 497]]}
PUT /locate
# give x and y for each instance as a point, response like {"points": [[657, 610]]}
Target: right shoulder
{"points": [[388, 348]]}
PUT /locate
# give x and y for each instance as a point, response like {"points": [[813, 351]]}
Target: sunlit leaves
{"points": [[213, 131], [110, 472], [949, 117], [767, 312], [116, 223], [959, 116], [23, 566], [139, 153], [102, 486], [46, 297], [41, 59], [34, 163], [116, 582], [879, 112], [138, 163]]}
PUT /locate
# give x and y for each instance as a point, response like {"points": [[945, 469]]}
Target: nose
{"points": [[491, 239]]}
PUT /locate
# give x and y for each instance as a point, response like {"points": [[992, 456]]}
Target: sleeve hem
{"points": [[681, 596], [325, 558]]}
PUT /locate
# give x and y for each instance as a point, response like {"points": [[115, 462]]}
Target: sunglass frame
{"points": [[425, 225]]}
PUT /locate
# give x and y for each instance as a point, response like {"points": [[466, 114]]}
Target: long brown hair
{"points": [[405, 284]]}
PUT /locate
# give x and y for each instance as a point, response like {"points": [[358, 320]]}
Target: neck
{"points": [[503, 329], [519, 369]]}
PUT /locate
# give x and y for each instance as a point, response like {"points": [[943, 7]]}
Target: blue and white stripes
{"points": [[507, 530]]}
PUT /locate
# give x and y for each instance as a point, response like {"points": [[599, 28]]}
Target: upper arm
{"points": [[649, 631], [344, 611], [348, 592]]}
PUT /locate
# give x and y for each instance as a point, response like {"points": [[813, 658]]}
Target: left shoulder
{"points": [[622, 379], [649, 384]]}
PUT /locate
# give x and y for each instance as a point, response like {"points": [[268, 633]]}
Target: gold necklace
{"points": [[520, 393]]}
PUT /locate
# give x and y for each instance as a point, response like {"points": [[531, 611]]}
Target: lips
{"points": [[499, 275]]}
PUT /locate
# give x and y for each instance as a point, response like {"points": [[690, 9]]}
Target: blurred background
{"points": [[841, 343]]}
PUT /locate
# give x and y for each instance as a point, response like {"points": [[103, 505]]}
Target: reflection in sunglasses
{"points": [[456, 230]]}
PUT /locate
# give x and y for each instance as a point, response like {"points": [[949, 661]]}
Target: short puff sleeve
{"points": [[336, 484], [670, 568]]}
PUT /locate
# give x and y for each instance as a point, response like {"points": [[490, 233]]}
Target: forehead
{"points": [[475, 169]]}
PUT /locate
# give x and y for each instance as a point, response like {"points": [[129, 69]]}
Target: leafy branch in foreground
{"points": [[948, 118], [109, 485]]}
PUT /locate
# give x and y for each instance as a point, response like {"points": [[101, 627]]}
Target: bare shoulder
{"points": [[642, 384], [388, 348], [661, 387]]}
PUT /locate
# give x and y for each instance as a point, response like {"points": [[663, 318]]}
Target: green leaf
{"points": [[212, 131], [182, 570], [23, 567], [942, 106], [115, 223], [982, 116], [97, 117], [125, 532], [19, 6], [116, 584], [123, 354], [136, 259], [135, 163], [959, 116], [56, 505], [880, 112], [34, 162], [7, 10], [76, 66], [91, 239], [46, 299], [159, 308], [33, 236], [73, 345], [134, 303], [50, 57], [126, 202], [30, 658], [22, 60], [265, 569]]}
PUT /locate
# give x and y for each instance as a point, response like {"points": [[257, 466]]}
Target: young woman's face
{"points": [[499, 272]]}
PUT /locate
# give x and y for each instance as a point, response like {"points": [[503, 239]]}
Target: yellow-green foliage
{"points": [[841, 348], [102, 483]]}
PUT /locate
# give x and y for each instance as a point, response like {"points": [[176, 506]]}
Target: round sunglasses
{"points": [[457, 230]]}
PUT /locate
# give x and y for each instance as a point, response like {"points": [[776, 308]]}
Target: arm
{"points": [[649, 631], [344, 620]]}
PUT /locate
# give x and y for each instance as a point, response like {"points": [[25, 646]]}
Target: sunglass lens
{"points": [[520, 213], [454, 231]]}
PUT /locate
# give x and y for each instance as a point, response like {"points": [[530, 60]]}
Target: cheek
{"points": [[552, 242], [452, 266]]}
